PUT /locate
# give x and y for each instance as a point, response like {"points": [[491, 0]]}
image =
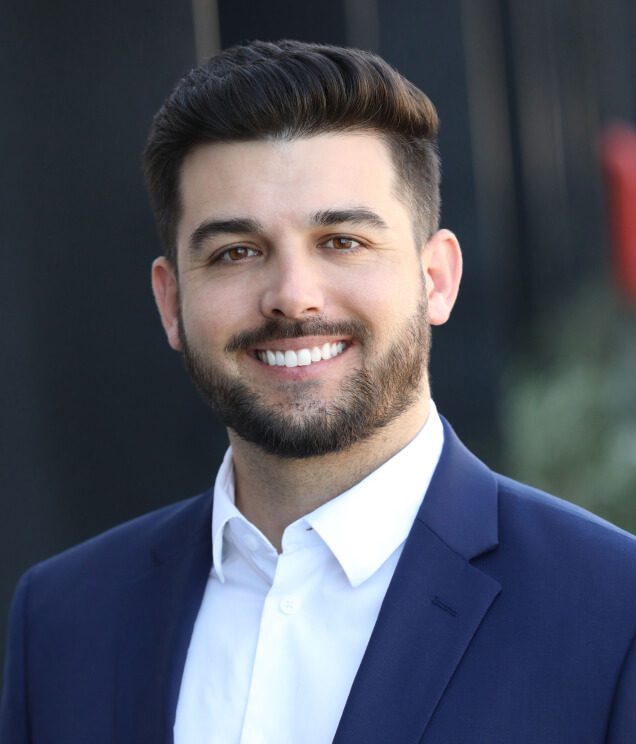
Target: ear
{"points": [[165, 288], [442, 269]]}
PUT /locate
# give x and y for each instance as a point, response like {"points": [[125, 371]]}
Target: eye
{"points": [[342, 243], [236, 253]]}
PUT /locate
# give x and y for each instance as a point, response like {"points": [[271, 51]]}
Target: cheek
{"points": [[214, 311], [388, 298], [206, 317]]}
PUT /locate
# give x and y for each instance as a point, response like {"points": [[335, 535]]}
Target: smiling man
{"points": [[354, 574], [301, 299]]}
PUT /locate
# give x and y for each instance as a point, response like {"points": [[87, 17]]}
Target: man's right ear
{"points": [[165, 288]]}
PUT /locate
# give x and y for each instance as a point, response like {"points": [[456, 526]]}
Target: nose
{"points": [[293, 288]]}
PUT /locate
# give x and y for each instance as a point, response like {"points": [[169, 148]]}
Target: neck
{"points": [[272, 492]]}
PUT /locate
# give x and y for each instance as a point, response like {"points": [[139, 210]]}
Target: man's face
{"points": [[301, 299]]}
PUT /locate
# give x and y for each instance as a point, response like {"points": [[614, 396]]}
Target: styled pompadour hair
{"points": [[286, 90]]}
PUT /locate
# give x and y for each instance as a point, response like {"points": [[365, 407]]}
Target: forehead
{"points": [[274, 180]]}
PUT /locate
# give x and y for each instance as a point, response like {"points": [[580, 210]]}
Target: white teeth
{"points": [[291, 360], [300, 357], [304, 357]]}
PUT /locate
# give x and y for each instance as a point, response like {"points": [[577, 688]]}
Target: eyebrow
{"points": [[233, 226], [353, 216]]}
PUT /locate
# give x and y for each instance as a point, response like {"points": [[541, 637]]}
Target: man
{"points": [[355, 574]]}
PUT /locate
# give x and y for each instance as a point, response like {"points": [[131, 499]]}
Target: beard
{"points": [[306, 425]]}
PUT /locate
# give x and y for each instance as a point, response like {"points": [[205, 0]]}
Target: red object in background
{"points": [[618, 154]]}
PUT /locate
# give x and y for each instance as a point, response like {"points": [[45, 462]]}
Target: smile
{"points": [[301, 357]]}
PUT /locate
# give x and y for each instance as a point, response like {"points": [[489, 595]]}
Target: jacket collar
{"points": [[461, 503], [157, 614], [433, 607]]}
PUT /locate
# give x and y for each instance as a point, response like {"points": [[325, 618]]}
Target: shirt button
{"points": [[289, 605]]}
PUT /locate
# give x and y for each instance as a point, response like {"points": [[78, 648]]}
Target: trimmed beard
{"points": [[305, 425]]}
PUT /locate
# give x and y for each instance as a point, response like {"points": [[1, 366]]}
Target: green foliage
{"points": [[569, 413]]}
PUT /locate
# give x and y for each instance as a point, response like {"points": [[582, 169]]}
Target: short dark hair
{"points": [[285, 90]]}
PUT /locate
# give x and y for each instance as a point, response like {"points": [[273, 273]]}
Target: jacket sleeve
{"points": [[14, 723], [622, 726]]}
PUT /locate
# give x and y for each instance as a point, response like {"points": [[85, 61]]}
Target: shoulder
{"points": [[541, 509], [516, 528], [127, 551], [564, 540]]}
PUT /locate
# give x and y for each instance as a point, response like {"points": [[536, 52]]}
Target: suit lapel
{"points": [[158, 611], [432, 609]]}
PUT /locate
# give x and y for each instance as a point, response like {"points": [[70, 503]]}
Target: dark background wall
{"points": [[98, 423], [98, 420]]}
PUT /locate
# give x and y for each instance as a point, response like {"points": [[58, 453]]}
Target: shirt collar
{"points": [[364, 525], [223, 510]]}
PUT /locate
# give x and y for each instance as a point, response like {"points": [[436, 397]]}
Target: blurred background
{"points": [[536, 369]]}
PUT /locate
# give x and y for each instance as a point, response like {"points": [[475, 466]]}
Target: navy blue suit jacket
{"points": [[510, 619]]}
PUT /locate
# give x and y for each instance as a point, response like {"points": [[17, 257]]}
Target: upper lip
{"points": [[302, 342]]}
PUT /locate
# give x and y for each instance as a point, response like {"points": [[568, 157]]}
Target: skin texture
{"points": [[309, 237]]}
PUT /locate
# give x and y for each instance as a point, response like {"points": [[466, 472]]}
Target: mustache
{"points": [[276, 329]]}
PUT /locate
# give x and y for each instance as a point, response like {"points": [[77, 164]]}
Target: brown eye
{"points": [[342, 243], [238, 253]]}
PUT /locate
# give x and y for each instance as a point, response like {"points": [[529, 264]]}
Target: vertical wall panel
{"points": [[425, 40], [98, 420]]}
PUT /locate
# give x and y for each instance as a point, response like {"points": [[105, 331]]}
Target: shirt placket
{"points": [[270, 705]]}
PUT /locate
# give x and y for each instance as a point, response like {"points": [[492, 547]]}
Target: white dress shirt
{"points": [[279, 638]]}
